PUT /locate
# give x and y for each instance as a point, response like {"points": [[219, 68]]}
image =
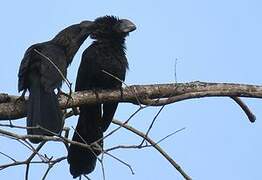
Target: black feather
{"points": [[106, 53], [41, 77]]}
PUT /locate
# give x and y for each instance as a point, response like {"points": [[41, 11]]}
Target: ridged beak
{"points": [[126, 26]]}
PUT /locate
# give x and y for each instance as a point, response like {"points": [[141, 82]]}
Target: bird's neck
{"points": [[69, 46], [118, 44]]}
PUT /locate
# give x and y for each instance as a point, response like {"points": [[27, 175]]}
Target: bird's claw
{"points": [[69, 96], [21, 98]]}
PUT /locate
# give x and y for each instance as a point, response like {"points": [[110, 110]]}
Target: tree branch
{"points": [[155, 145], [149, 95], [245, 108], [153, 95]]}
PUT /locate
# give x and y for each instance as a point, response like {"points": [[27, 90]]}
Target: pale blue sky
{"points": [[215, 41]]}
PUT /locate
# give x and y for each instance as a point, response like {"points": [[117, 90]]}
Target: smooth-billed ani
{"points": [[105, 54], [41, 77]]}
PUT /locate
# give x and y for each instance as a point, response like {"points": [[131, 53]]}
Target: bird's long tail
{"points": [[43, 111], [88, 131]]}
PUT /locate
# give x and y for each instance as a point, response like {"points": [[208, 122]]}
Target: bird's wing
{"points": [[86, 75], [53, 66], [24, 67]]}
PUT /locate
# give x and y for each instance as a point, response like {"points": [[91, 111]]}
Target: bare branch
{"points": [[28, 161], [152, 123], [169, 135], [148, 95], [116, 129], [245, 108], [9, 157], [51, 163], [121, 161], [157, 147], [164, 93]]}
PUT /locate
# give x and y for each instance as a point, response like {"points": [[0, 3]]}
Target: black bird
{"points": [[39, 74], [103, 58]]}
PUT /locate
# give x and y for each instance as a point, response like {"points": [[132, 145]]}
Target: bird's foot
{"points": [[69, 96], [21, 98]]}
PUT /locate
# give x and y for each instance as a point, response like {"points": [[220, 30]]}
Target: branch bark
{"points": [[154, 95]]}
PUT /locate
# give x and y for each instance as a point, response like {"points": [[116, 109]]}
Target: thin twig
{"points": [[90, 146], [175, 71], [47, 171], [102, 167], [127, 147], [85, 177], [143, 146], [244, 107], [121, 161], [31, 157], [51, 164], [152, 123], [130, 117], [169, 135], [9, 157], [157, 147]]}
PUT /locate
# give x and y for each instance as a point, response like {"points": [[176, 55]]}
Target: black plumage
{"points": [[105, 54], [38, 73]]}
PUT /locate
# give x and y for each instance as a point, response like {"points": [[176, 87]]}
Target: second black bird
{"points": [[41, 72], [103, 58]]}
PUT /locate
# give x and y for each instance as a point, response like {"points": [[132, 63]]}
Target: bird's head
{"points": [[111, 27], [74, 34], [72, 37]]}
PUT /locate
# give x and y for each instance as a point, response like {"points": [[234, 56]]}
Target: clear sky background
{"points": [[214, 41]]}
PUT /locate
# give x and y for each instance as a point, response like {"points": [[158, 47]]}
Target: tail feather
{"points": [[88, 130], [43, 111]]}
